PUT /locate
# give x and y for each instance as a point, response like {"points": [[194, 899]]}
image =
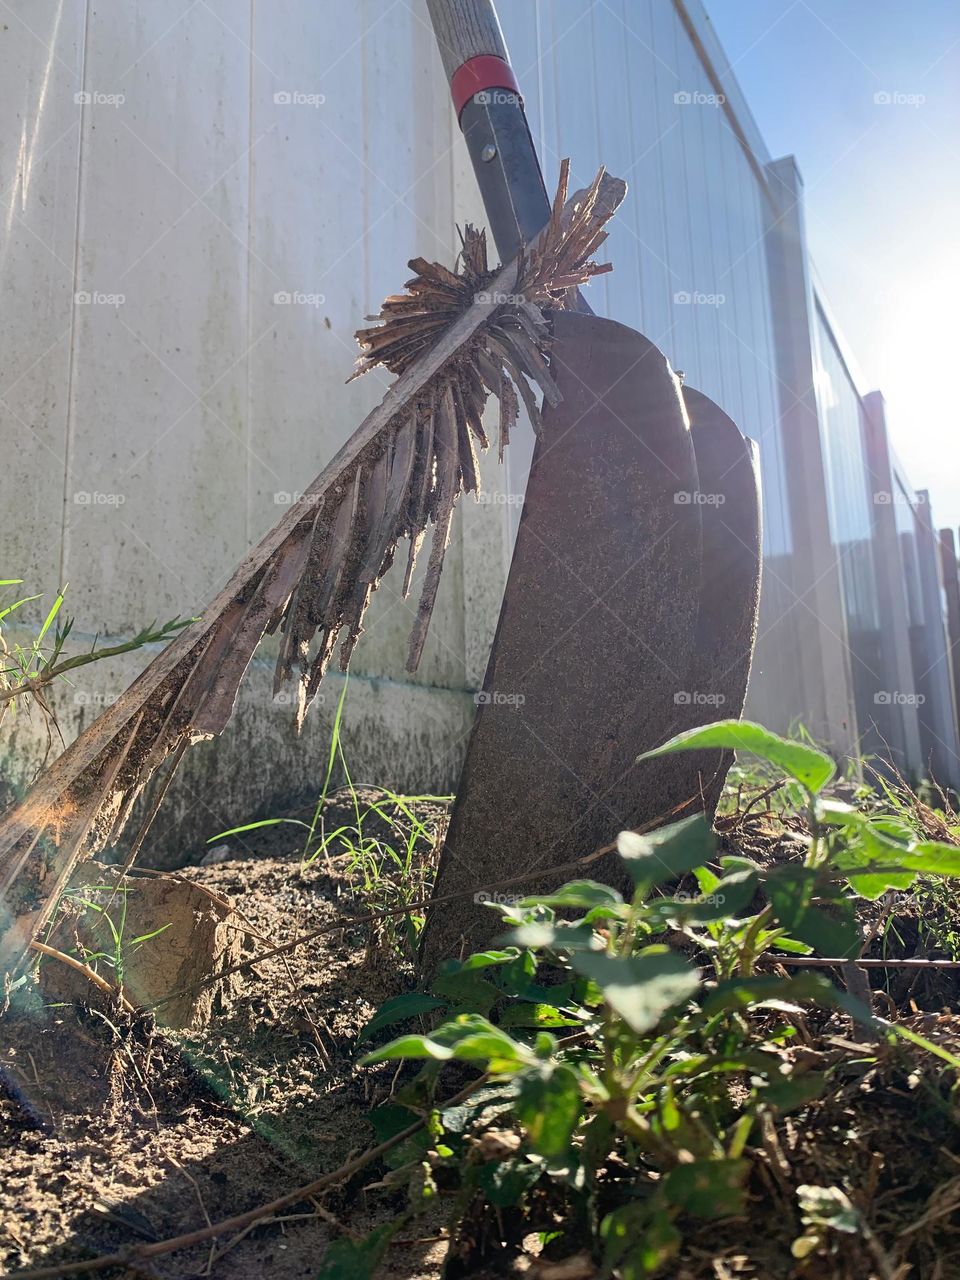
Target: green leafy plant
{"points": [[109, 920], [631, 1049], [606, 1043], [27, 669]]}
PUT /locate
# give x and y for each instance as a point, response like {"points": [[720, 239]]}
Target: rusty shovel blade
{"points": [[629, 615], [595, 637]]}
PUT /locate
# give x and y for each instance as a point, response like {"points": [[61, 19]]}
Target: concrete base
{"points": [[405, 736]]}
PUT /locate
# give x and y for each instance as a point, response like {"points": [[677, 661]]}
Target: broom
{"points": [[454, 338]]}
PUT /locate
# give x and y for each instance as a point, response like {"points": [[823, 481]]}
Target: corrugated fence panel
{"points": [[157, 398], [617, 150], [41, 67]]}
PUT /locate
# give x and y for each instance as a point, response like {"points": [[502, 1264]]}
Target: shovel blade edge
{"points": [[731, 511]]}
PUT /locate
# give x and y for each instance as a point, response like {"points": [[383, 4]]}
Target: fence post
{"points": [[821, 628]]}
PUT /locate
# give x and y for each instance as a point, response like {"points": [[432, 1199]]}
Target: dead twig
{"points": [[114, 993], [819, 962]]}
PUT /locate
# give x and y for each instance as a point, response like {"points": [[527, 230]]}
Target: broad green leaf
{"points": [[638, 1241], [599, 1139], [578, 893], [790, 945], [668, 853], [408, 1047], [707, 1188], [390, 1119], [734, 862], [640, 988], [758, 992], [549, 1107], [865, 851], [934, 858], [348, 1259], [811, 767], [536, 1015], [788, 1092], [486, 959], [506, 1182], [742, 993], [728, 898], [554, 937], [617, 911], [837, 813], [706, 879], [836, 934], [398, 1010], [482, 1108], [469, 1038], [559, 996], [467, 990]]}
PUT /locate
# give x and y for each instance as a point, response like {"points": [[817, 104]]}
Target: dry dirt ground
{"points": [[114, 1132]]}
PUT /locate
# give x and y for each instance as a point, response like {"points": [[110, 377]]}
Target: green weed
{"points": [[611, 1032]]}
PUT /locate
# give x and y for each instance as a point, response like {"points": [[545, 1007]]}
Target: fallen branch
{"points": [[240, 1221]]}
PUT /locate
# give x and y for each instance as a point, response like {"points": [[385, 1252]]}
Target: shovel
{"points": [[630, 609]]}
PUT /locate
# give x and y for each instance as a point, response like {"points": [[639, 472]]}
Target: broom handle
{"points": [[490, 110], [466, 29]]}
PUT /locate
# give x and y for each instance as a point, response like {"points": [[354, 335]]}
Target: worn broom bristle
{"points": [[508, 358]]}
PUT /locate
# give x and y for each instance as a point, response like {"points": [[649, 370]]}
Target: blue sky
{"points": [[882, 184]]}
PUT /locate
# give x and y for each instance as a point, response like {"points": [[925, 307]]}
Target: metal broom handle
{"points": [[489, 106]]}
